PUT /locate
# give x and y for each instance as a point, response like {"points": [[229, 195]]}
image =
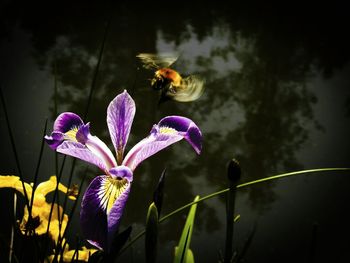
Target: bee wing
{"points": [[191, 88], [153, 61]]}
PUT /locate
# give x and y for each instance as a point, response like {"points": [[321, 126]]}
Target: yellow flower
{"points": [[40, 209], [82, 254]]}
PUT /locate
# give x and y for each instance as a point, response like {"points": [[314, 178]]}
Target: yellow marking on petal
{"points": [[111, 190], [71, 134], [167, 130]]}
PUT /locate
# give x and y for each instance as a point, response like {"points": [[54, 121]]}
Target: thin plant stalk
{"points": [[233, 174], [58, 178], [37, 171], [14, 147], [94, 79], [66, 195], [13, 226], [266, 179], [71, 215]]}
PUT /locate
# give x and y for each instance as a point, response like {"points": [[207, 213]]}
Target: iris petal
{"points": [[79, 143], [168, 131], [80, 151], [148, 147], [120, 115], [65, 127], [67, 121], [102, 207], [54, 140], [192, 133]]}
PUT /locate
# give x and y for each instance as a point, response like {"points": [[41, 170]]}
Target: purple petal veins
{"points": [[78, 150], [72, 137], [120, 115], [168, 131], [103, 204]]}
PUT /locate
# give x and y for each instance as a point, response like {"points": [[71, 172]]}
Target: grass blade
{"points": [[94, 79], [181, 252], [159, 192], [37, 169], [240, 257], [119, 241], [14, 147]]}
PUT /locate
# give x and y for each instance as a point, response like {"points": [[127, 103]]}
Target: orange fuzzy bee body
{"points": [[169, 81], [164, 77]]}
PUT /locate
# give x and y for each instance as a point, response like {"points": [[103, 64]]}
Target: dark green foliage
{"points": [[159, 192], [182, 251], [151, 235]]}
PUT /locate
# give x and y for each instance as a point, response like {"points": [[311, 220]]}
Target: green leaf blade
{"points": [[182, 251], [151, 233]]}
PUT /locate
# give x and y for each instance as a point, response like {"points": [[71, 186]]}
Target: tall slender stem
{"points": [[233, 174], [13, 225], [14, 148]]}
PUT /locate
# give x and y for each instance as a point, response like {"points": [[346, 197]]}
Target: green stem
{"points": [[266, 179]]}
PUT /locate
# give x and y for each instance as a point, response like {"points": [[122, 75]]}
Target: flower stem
{"points": [[233, 174], [13, 226]]}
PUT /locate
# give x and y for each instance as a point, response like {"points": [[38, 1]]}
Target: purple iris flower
{"points": [[105, 198]]}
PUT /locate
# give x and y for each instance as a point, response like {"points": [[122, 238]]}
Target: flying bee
{"points": [[171, 84]]}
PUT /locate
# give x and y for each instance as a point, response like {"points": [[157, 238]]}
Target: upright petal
{"points": [[168, 131], [120, 115], [103, 204]]}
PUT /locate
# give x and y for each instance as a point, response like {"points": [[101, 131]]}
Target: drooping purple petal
{"points": [[122, 181], [120, 115], [102, 206], [67, 121], [168, 131], [192, 133], [80, 151], [93, 217]]}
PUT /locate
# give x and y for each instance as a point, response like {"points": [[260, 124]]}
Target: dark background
{"points": [[276, 98]]}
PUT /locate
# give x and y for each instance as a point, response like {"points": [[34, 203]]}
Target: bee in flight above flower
{"points": [[169, 81]]}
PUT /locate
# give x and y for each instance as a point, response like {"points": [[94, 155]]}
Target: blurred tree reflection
{"points": [[257, 63]]}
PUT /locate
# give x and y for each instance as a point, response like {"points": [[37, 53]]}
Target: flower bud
{"points": [[234, 171]]}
